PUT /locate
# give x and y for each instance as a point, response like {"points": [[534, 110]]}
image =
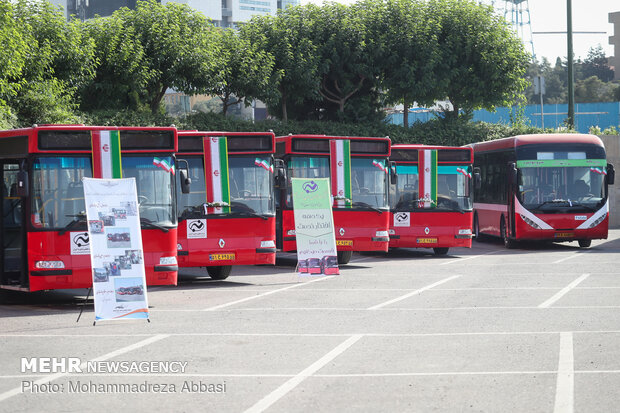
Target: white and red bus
{"points": [[241, 230], [362, 221], [45, 243], [543, 187], [431, 204]]}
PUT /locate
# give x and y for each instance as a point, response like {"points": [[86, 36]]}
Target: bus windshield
{"points": [[556, 188], [454, 189], [368, 179], [250, 180], [369, 182], [154, 183], [58, 192]]}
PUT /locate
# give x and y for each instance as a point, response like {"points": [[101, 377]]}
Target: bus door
{"points": [[510, 194], [12, 228]]}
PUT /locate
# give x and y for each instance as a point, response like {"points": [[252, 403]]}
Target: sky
{"points": [[550, 15]]}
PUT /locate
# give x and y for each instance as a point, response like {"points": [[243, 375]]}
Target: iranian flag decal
{"points": [[427, 167], [106, 146], [216, 175], [340, 157]]}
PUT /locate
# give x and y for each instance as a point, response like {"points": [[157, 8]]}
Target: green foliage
{"points": [[612, 130], [246, 74]]}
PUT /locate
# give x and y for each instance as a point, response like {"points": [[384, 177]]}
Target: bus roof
{"points": [[319, 144], [541, 138], [445, 154], [239, 143]]}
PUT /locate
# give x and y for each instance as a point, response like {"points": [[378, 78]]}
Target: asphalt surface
{"points": [[534, 329]]}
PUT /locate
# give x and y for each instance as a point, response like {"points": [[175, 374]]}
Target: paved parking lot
{"points": [[482, 329]]}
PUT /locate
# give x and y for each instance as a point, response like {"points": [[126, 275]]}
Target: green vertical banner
{"points": [[427, 165], [314, 227], [340, 158]]}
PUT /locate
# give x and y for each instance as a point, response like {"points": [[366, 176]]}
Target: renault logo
{"points": [[222, 243], [427, 230], [341, 232]]}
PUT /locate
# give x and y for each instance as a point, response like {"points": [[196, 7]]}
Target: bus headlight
{"points": [[48, 265], [465, 231], [530, 222], [168, 261], [382, 234], [598, 221], [267, 244]]}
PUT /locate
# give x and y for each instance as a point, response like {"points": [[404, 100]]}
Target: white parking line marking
{"points": [[281, 391], [418, 291], [243, 300], [470, 258], [573, 255], [565, 387], [123, 350], [563, 291]]}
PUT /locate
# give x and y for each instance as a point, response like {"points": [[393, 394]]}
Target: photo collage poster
{"points": [[117, 256]]}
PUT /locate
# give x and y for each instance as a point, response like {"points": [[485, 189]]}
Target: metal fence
{"points": [[602, 115]]}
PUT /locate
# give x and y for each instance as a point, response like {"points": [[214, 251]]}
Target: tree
{"points": [[411, 53], [295, 71], [245, 74], [176, 47], [596, 64], [482, 62], [60, 59], [593, 90], [13, 55]]}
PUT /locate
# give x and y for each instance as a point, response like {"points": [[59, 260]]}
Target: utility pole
{"points": [[571, 85]]}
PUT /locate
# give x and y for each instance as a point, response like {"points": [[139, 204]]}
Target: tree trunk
{"points": [[405, 114], [284, 112], [154, 106]]}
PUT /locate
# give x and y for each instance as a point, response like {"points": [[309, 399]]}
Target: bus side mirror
{"points": [[22, 184], [512, 172], [184, 176], [477, 179], [280, 176], [611, 174], [393, 175]]}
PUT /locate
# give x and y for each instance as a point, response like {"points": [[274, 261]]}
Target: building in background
{"points": [[223, 13], [614, 61]]}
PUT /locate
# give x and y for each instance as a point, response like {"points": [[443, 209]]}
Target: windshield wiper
{"points": [[150, 224], [588, 207], [555, 201], [79, 218], [365, 205], [250, 214]]}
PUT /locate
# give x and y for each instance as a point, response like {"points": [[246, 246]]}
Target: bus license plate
{"points": [[221, 257], [426, 240], [564, 234], [344, 242]]}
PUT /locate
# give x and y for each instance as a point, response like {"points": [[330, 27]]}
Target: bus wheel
{"points": [[508, 243], [476, 228], [585, 243], [441, 251], [219, 272], [344, 257]]}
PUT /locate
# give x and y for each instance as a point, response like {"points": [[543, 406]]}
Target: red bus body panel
{"points": [[360, 229], [442, 226], [241, 236]]}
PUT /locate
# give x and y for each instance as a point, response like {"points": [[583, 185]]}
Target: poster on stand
{"points": [[314, 227], [117, 257]]}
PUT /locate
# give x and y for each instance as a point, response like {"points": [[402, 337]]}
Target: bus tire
{"points": [[585, 243], [508, 243], [441, 251], [220, 272], [344, 257]]}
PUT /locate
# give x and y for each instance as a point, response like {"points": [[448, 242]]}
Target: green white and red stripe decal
{"points": [[216, 175], [106, 147], [164, 164], [340, 158], [427, 167]]}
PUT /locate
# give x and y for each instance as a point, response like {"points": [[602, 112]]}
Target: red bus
{"points": [[447, 220], [543, 187], [245, 233], [364, 225], [45, 243]]}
